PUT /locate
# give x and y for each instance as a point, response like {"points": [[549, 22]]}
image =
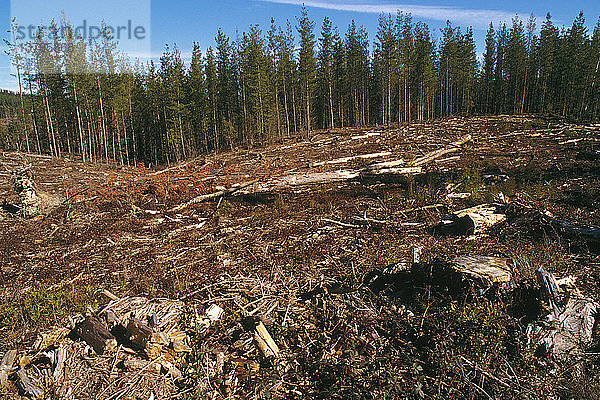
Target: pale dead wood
{"points": [[427, 207], [342, 224], [26, 386], [6, 366], [569, 326], [108, 294], [344, 160], [451, 148], [265, 342], [483, 216], [489, 269], [205, 197]]}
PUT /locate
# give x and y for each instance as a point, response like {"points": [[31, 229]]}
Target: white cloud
{"points": [[476, 18]]}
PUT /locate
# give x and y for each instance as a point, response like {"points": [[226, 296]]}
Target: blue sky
{"points": [[185, 21]]}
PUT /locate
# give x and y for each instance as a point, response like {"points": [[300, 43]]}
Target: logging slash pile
{"points": [[452, 259]]}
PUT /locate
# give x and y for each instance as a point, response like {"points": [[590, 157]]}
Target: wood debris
{"points": [[473, 220], [567, 330], [6, 366], [489, 269], [129, 356], [94, 332], [262, 337]]}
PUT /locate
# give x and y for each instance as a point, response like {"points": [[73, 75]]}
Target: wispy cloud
{"points": [[474, 17]]}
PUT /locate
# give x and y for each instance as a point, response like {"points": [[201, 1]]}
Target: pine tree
{"points": [[548, 46], [487, 74], [423, 71], [516, 56], [404, 27], [212, 92], [386, 56], [591, 111], [357, 72], [500, 70], [325, 74], [197, 100], [307, 67], [226, 87]]}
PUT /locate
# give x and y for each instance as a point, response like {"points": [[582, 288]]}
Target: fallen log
{"points": [[431, 156], [483, 216], [388, 169], [344, 160], [391, 168], [571, 230], [95, 334], [590, 233], [205, 197], [265, 342], [320, 178]]}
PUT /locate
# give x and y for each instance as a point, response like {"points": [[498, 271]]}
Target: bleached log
{"points": [[320, 178], [366, 135], [262, 337], [370, 173], [451, 148], [489, 269], [388, 169], [205, 197], [483, 216], [339, 223], [344, 160], [306, 179], [427, 207], [472, 220]]}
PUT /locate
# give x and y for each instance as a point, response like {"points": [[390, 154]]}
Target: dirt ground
{"points": [[268, 252]]}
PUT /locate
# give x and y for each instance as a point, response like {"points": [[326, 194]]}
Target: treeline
{"points": [[9, 104], [262, 86]]}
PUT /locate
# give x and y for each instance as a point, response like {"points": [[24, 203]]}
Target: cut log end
{"points": [[93, 331]]}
